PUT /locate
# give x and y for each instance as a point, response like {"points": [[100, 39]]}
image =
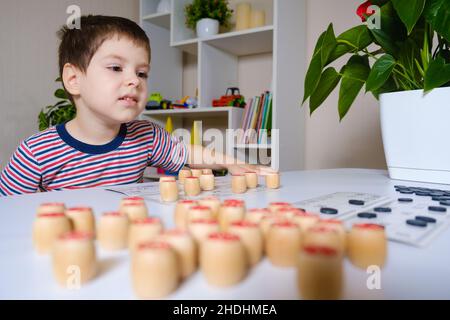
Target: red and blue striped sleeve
{"points": [[166, 151], [22, 174]]}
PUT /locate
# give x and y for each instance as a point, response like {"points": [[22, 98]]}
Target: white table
{"points": [[409, 273]]}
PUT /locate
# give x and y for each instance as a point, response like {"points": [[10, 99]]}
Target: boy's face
{"points": [[114, 86]]}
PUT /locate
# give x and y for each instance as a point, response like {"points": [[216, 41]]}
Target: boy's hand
{"points": [[201, 158], [242, 168]]}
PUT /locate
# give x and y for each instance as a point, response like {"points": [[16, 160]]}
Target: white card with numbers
{"points": [[414, 221]]}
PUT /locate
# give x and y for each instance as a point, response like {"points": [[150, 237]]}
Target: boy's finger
{"points": [[264, 170]]}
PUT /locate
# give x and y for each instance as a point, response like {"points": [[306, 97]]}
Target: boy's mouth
{"points": [[129, 98]]}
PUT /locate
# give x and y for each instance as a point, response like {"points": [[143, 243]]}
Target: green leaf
{"points": [[61, 102], [431, 9], [409, 11], [338, 52], [319, 43], [381, 71], [359, 37], [392, 30], [324, 46], [379, 2], [437, 74], [61, 94], [328, 81], [419, 67], [425, 55], [355, 73], [198, 9], [388, 86], [328, 44], [42, 121], [312, 76], [409, 52], [437, 14], [352, 40]]}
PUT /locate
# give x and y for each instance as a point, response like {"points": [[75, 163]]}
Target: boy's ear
{"points": [[71, 79]]}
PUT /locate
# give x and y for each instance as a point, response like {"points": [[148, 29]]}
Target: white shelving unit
{"points": [[221, 118], [160, 19], [218, 58]]}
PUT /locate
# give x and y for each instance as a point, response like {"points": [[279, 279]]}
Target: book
{"points": [[257, 118], [263, 116], [260, 115], [269, 121], [249, 120], [245, 119], [254, 119]]}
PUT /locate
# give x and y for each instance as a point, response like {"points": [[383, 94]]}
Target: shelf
{"points": [[238, 43], [191, 113], [159, 19], [189, 46], [245, 42]]}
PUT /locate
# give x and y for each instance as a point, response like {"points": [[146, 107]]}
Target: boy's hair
{"points": [[78, 46]]}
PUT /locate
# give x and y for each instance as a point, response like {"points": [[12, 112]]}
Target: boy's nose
{"points": [[133, 81]]}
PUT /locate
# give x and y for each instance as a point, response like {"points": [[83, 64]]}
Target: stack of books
{"points": [[257, 121]]}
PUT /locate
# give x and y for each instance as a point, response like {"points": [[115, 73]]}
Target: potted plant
{"points": [[61, 111], [407, 68], [205, 16]]}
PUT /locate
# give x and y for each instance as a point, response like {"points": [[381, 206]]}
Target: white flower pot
{"points": [[415, 129], [207, 27]]}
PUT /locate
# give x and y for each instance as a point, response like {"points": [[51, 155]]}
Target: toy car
{"points": [[154, 101], [185, 103], [166, 104], [232, 98]]}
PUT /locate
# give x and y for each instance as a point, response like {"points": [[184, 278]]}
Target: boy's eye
{"points": [[143, 75], [115, 68]]}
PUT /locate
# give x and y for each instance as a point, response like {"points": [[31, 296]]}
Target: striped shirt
{"points": [[54, 160]]}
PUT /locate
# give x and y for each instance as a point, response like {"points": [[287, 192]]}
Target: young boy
{"points": [[104, 67]]}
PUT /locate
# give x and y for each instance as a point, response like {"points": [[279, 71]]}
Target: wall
{"points": [[28, 59]]}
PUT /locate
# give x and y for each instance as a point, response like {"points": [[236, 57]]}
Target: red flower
{"points": [[362, 11]]}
